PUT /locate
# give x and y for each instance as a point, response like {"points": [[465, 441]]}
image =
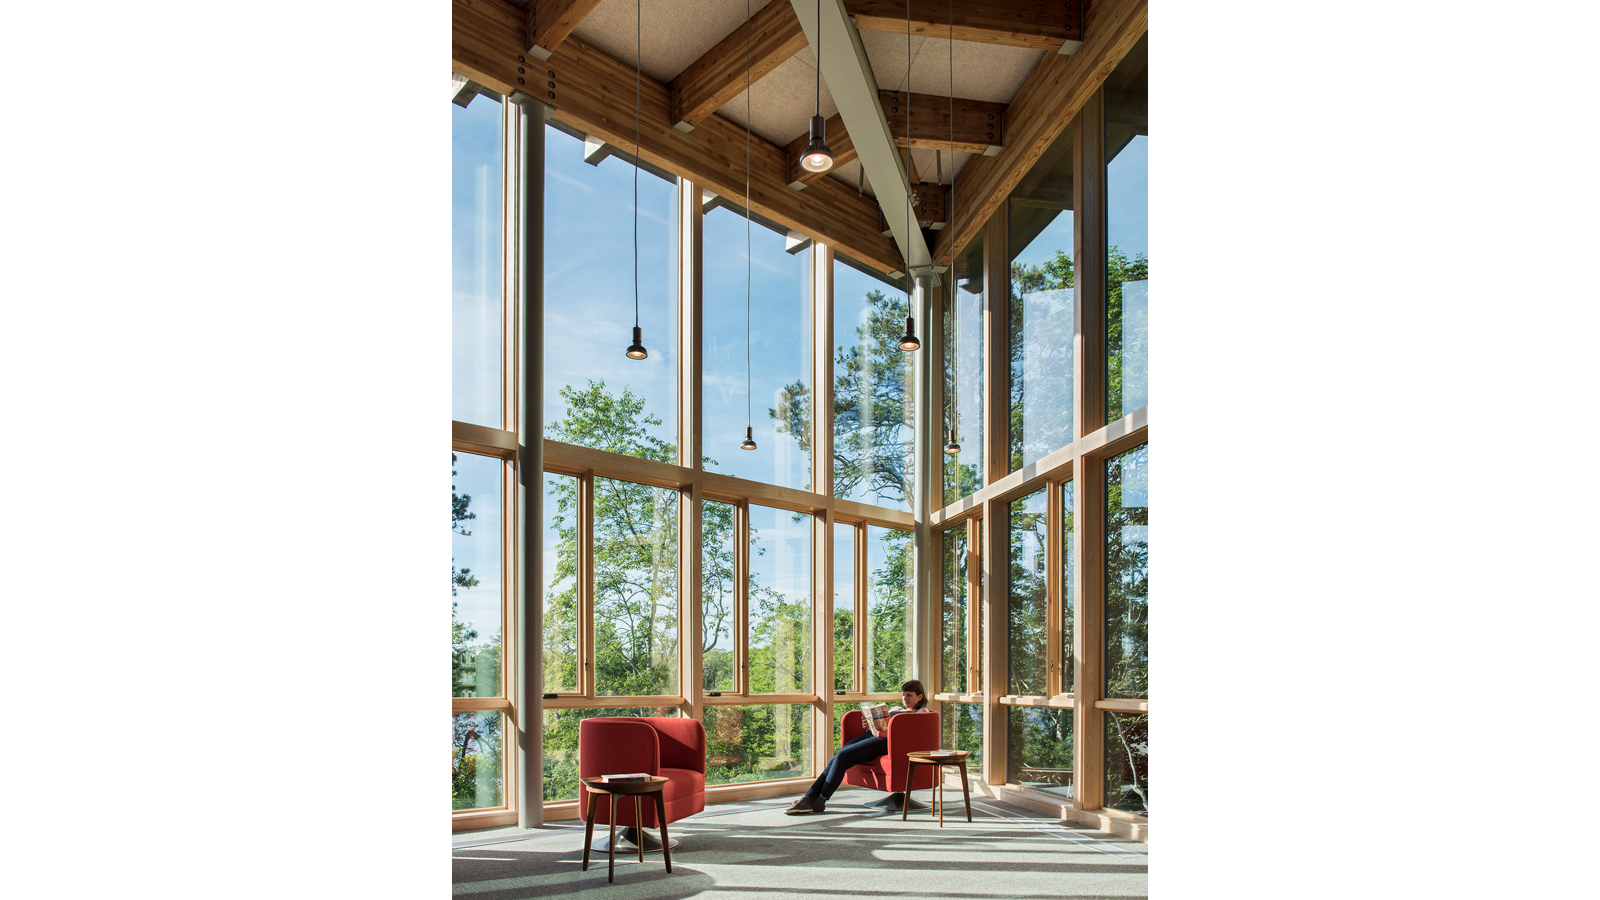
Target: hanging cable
{"points": [[749, 420], [636, 349]]}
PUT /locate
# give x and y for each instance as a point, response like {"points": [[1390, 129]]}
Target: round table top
{"points": [[625, 787], [927, 756]]}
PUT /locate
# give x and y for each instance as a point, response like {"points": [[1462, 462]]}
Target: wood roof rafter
{"points": [[1041, 111], [549, 22], [1052, 25], [719, 76], [594, 92]]}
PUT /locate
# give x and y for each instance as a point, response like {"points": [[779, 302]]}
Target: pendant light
{"points": [[817, 157], [908, 341], [749, 430], [636, 349]]}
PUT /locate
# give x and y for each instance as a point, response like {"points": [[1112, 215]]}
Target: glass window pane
{"points": [[775, 363], [595, 396], [635, 589], [476, 780], [780, 601], [561, 583], [476, 607], [844, 606], [561, 745], [963, 373], [889, 614], [872, 409], [1039, 749], [1127, 752], [1128, 575], [1041, 314], [716, 596], [1127, 132], [1069, 562], [961, 728], [1028, 674], [953, 615], [475, 335], [757, 743]]}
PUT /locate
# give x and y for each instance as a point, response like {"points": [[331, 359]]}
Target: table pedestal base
{"points": [[630, 837], [893, 802]]}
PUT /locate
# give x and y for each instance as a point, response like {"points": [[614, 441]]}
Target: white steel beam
{"points": [[849, 77]]}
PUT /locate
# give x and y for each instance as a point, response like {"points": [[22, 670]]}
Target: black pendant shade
{"points": [[817, 156], [749, 439], [908, 341], [636, 349]]}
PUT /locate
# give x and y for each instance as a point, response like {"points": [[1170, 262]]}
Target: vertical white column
{"points": [[528, 718]]}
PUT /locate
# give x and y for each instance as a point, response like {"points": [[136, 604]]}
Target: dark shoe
{"points": [[804, 805]]}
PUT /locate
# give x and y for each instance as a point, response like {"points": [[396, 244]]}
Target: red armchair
{"points": [[673, 748], [906, 733]]}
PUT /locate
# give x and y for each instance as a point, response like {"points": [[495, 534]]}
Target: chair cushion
{"points": [[684, 795]]}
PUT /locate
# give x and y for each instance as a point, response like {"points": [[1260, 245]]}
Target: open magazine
{"points": [[875, 715]]}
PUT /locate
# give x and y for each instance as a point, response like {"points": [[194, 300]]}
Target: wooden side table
{"points": [[636, 790], [959, 759]]}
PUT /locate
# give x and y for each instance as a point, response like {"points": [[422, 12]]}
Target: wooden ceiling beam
{"points": [[837, 139], [594, 93], [979, 126], [719, 75], [1052, 25], [549, 22], [1041, 111]]}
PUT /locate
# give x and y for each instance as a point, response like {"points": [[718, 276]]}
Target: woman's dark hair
{"points": [[915, 687]]}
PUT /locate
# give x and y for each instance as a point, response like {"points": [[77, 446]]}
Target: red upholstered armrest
{"points": [[854, 723]]}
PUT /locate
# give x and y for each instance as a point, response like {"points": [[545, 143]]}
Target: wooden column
{"points": [[822, 744], [821, 260], [690, 499], [1054, 524], [1089, 405], [996, 464]]}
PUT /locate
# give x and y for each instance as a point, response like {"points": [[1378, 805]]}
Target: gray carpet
{"points": [[746, 850]]}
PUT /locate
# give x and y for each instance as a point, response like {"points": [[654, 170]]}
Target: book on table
{"points": [[944, 751], [624, 779]]}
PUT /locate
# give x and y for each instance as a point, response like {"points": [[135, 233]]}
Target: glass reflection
{"points": [[716, 596], [1127, 130], [963, 373], [757, 743], [1028, 625], [561, 590], [476, 607], [780, 601], [476, 754], [1128, 575], [889, 614], [594, 396], [1127, 752], [476, 150], [872, 409], [844, 606], [776, 361], [1042, 294], [1039, 749]]}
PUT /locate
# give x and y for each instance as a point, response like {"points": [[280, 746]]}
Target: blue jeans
{"points": [[863, 748]]}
